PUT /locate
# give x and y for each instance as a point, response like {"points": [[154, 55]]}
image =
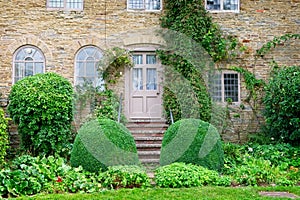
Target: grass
{"points": [[205, 193]]}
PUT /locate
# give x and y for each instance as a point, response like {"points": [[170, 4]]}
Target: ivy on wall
{"points": [[189, 27]]}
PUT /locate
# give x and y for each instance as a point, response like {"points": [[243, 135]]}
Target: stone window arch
{"points": [[86, 66], [27, 61]]}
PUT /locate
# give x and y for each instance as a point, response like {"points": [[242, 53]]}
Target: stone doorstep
{"points": [[148, 145], [152, 138], [279, 194]]}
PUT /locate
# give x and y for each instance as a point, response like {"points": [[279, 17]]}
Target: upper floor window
{"points": [[222, 5], [65, 4], [28, 61], [149, 5], [86, 67], [225, 86]]}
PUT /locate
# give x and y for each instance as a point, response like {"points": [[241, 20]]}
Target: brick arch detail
{"points": [[29, 40]]}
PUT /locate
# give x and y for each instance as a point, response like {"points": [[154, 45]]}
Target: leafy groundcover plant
{"points": [[179, 175]]}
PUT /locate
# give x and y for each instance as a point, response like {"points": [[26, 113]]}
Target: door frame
{"points": [[128, 85]]}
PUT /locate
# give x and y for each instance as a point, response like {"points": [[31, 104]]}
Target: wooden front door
{"points": [[143, 84]]}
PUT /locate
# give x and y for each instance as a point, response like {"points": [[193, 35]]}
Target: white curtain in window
{"points": [[137, 79], [151, 79]]}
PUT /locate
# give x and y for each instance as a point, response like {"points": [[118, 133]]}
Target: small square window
{"points": [[223, 5], [148, 5], [65, 4], [225, 86]]}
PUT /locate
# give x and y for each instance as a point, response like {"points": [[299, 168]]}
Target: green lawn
{"points": [[239, 193]]}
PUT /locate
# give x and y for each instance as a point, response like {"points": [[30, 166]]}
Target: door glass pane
{"points": [[151, 83], [150, 59], [137, 79], [138, 59]]}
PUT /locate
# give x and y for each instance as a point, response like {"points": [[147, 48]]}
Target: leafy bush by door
{"points": [[42, 106]]}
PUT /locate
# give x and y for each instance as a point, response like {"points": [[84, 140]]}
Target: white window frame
{"points": [[222, 87], [144, 6], [222, 7], [29, 52], [98, 81], [64, 7]]}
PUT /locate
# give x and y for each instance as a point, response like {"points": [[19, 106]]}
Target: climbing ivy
{"points": [[276, 41], [192, 40]]}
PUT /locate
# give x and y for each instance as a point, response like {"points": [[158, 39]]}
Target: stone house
{"points": [[69, 37]]}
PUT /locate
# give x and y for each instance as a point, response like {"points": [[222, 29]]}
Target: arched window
{"points": [[86, 66], [28, 61]]}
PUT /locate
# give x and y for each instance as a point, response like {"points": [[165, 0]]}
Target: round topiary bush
{"points": [[282, 105], [102, 143], [192, 141], [42, 106]]}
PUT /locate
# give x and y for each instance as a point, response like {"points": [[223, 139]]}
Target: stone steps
{"points": [[148, 136]]}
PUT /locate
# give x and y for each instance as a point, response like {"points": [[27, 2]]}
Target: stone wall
{"points": [[60, 34], [258, 22]]}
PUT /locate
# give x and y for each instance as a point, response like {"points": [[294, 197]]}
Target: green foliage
{"points": [[122, 176], [192, 141], [190, 18], [113, 65], [102, 143], [42, 106], [177, 175], [253, 164], [107, 106], [185, 93], [4, 140], [276, 41], [31, 175], [282, 105]]}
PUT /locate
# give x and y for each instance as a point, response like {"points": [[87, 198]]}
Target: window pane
{"points": [[29, 69], [231, 87], [27, 62], [136, 4], [215, 87], [138, 59], [86, 66], [152, 4], [90, 69], [213, 4], [151, 83], [150, 59], [56, 3], [75, 4], [230, 4], [39, 69], [137, 79]]}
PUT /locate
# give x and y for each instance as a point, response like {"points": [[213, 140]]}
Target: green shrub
{"points": [[123, 176], [102, 143], [42, 106], [107, 106], [282, 105], [177, 175], [192, 141], [31, 175], [4, 141]]}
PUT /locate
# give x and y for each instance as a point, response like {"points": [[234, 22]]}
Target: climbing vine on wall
{"points": [[189, 20]]}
